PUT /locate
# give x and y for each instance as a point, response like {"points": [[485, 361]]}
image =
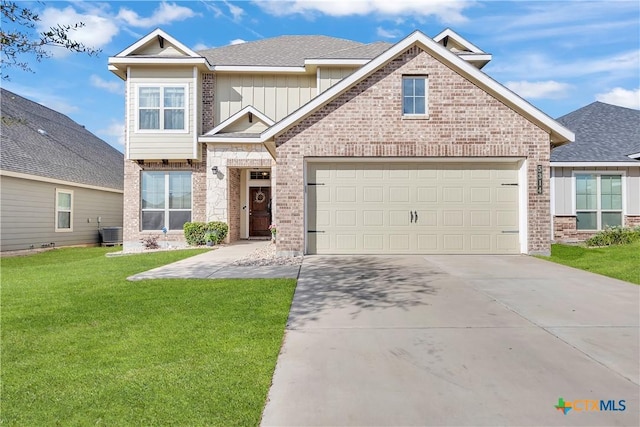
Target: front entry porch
{"points": [[249, 203]]}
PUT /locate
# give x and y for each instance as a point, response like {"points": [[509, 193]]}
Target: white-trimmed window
{"points": [[64, 210], [162, 108], [598, 201], [165, 200], [414, 96]]}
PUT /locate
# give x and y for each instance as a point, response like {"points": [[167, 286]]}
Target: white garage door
{"points": [[412, 208]]}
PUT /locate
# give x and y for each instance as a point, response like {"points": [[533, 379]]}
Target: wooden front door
{"points": [[259, 211]]}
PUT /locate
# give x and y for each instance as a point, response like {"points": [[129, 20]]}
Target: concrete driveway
{"points": [[455, 340]]}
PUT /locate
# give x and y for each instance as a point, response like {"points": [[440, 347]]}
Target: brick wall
{"points": [[233, 202], [366, 121], [564, 228], [632, 221], [208, 101], [131, 221]]}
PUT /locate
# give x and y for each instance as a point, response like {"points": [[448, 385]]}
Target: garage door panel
{"points": [[367, 207], [373, 194], [373, 218]]}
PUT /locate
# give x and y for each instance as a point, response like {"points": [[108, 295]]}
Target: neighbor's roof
{"points": [[604, 133], [39, 141], [289, 51]]}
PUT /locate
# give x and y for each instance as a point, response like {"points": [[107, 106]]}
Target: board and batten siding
{"points": [[329, 76], [563, 185], [276, 96], [161, 145], [29, 214]]}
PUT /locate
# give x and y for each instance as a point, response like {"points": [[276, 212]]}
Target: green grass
{"points": [[620, 262], [82, 346]]}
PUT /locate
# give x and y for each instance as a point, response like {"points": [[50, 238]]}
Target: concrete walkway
{"points": [[455, 340], [216, 264]]}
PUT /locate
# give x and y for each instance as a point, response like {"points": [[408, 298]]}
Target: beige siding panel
{"points": [[564, 187], [154, 48], [633, 191], [329, 76], [243, 125], [161, 145], [405, 208], [28, 214], [276, 96]]}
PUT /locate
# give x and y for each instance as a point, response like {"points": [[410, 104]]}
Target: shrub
{"points": [[150, 242], [615, 236], [194, 232]]}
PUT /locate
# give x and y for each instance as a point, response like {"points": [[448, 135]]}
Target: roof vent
{"points": [[42, 132]]}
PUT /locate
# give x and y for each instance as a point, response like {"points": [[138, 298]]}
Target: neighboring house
{"points": [[595, 181], [361, 148], [58, 181]]}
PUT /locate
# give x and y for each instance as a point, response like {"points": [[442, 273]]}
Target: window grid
{"points": [[598, 201], [166, 200], [162, 108], [414, 95], [64, 210]]}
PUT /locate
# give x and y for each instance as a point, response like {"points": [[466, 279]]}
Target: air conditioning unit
{"points": [[111, 235]]}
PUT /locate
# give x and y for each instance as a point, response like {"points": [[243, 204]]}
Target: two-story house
{"points": [[348, 148]]}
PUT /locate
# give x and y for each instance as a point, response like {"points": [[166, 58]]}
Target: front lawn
{"points": [[620, 262], [82, 346]]}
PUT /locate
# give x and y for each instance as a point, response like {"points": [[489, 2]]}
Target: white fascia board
{"points": [[238, 115], [227, 140], [154, 34], [159, 60], [593, 164], [475, 56], [57, 181], [558, 133], [326, 61], [256, 69], [634, 156], [448, 32]]}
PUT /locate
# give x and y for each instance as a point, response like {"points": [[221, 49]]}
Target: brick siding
{"points": [[366, 121], [565, 230], [131, 222]]}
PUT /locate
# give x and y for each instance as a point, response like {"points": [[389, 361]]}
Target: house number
{"points": [[539, 176]]}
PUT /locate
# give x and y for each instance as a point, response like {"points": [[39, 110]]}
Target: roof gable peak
{"points": [[158, 43]]}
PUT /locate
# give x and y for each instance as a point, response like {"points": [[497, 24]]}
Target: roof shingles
{"points": [[39, 141], [604, 133]]}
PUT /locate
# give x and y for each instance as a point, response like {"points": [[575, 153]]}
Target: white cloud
{"points": [[97, 32], [201, 46], [449, 11], [237, 41], [235, 11], [164, 14], [387, 34], [111, 86], [541, 66], [622, 97], [114, 133], [539, 90]]}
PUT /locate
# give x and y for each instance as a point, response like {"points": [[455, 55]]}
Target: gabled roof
{"points": [[558, 133], [160, 37], [39, 141], [463, 48], [604, 133], [248, 111], [283, 51]]}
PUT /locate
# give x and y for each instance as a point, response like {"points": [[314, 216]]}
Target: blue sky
{"points": [[559, 55]]}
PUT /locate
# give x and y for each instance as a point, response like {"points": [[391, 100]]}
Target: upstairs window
{"points": [[161, 108], [598, 201], [414, 95]]}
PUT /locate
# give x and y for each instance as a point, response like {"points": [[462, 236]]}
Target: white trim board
{"points": [[26, 176]]}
